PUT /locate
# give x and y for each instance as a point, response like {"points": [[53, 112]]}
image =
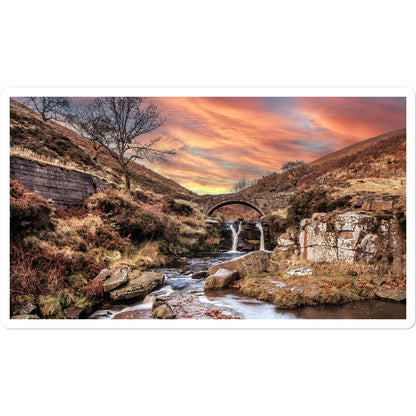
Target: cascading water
{"points": [[260, 227], [235, 236]]}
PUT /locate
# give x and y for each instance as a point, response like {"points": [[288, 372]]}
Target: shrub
{"points": [[178, 207], [35, 272], [112, 202], [139, 227], [45, 270], [304, 203], [139, 195], [140, 222], [73, 212], [94, 289], [277, 225], [108, 238], [50, 306], [29, 212]]}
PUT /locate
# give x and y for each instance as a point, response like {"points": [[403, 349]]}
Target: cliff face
{"points": [[354, 236]]}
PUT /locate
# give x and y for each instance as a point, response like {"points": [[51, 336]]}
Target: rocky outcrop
{"points": [[103, 275], [162, 310], [200, 275], [221, 279], [74, 312], [396, 295], [118, 278], [251, 263], [285, 242], [138, 287], [355, 237], [379, 202]]}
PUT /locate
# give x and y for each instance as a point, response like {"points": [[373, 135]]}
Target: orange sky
{"points": [[221, 140]]}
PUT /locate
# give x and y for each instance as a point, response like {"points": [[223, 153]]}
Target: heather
{"points": [[56, 254]]}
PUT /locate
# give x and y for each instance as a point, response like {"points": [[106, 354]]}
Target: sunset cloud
{"points": [[222, 139]]}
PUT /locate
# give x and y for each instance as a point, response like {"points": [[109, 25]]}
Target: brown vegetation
{"points": [[334, 283], [53, 251], [379, 157], [53, 143]]}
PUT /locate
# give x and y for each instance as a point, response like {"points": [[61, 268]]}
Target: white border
{"points": [[215, 92]]}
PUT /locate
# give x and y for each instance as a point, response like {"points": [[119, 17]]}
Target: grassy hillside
{"points": [[376, 165], [50, 142]]}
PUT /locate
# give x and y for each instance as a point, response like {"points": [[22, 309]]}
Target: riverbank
{"points": [[291, 282], [183, 293]]}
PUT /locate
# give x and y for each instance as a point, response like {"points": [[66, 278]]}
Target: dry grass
{"points": [[281, 213], [147, 255], [392, 186], [25, 153], [54, 140], [330, 283]]}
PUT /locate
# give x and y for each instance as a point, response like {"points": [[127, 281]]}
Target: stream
{"points": [[185, 291]]}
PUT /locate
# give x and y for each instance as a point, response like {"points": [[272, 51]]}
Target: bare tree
{"points": [[243, 183], [48, 107], [294, 170], [117, 125]]}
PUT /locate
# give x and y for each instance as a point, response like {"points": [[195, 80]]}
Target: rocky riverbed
{"points": [[182, 296]]}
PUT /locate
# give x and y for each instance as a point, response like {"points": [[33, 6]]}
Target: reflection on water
{"points": [[366, 309], [254, 309]]}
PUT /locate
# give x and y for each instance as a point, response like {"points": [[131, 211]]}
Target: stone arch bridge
{"points": [[210, 203]]}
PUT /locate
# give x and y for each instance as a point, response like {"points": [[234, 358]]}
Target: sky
{"points": [[220, 140]]}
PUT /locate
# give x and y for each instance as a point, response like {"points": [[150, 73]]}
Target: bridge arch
{"points": [[218, 205]]}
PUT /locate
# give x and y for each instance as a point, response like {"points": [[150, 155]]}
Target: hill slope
{"points": [[53, 143], [379, 161]]}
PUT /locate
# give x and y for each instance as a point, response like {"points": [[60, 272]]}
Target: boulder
{"points": [[397, 295], [25, 305], [200, 275], [163, 311], [27, 308], [135, 314], [221, 279], [118, 278], [74, 312], [251, 263], [284, 243], [377, 280], [138, 287], [103, 275]]}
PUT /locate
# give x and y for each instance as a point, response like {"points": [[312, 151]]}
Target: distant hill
{"points": [[380, 160], [53, 143]]}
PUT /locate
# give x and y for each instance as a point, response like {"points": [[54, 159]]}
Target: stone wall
{"points": [[355, 237], [65, 187]]}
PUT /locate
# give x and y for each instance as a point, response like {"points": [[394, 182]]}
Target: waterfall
{"points": [[259, 226], [235, 236]]}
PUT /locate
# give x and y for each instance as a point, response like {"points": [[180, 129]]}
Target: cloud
{"points": [[222, 139]]}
